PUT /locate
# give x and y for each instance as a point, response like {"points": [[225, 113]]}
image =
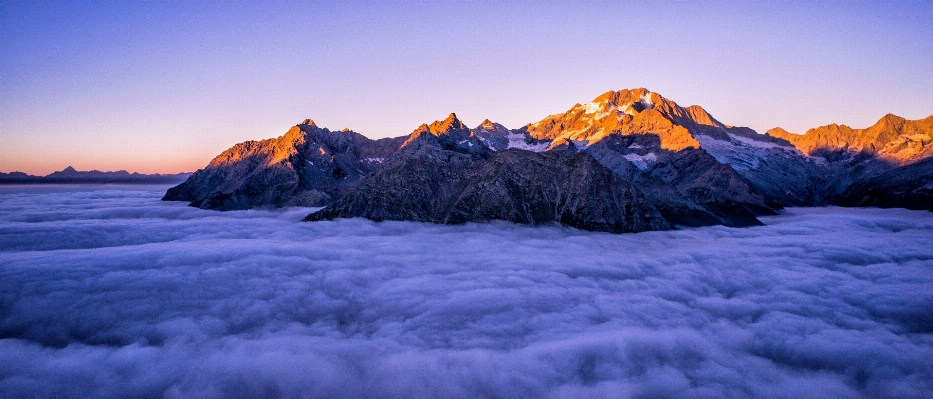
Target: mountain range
{"points": [[630, 160], [71, 176]]}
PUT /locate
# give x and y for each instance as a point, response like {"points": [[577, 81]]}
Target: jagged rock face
{"points": [[689, 186], [635, 111], [451, 135], [786, 173], [413, 187], [493, 135], [498, 137], [537, 188], [514, 185], [842, 168], [417, 180], [773, 167], [424, 178], [893, 139], [908, 187], [843, 155], [440, 176], [694, 169], [307, 166], [631, 160]]}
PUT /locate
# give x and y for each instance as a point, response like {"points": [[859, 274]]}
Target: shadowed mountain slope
{"points": [[519, 186], [759, 164], [443, 174], [909, 186], [307, 166], [414, 183]]}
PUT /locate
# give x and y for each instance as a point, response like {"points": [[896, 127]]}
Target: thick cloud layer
{"points": [[108, 292]]}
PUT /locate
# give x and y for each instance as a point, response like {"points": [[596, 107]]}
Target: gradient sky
{"points": [[164, 86]]}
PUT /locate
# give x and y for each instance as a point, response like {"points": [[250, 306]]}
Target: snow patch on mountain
{"points": [[641, 161], [517, 140], [740, 157], [760, 144], [627, 109], [646, 101], [744, 153], [599, 110]]}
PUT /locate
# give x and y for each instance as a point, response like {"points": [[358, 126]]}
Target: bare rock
{"points": [[308, 166], [908, 187]]}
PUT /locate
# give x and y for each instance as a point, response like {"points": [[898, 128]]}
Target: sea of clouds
{"points": [[108, 292]]}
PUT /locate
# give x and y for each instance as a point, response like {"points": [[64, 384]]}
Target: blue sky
{"points": [[165, 86]]}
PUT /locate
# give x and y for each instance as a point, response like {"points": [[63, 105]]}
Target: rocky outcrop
{"points": [[307, 166], [776, 170], [908, 187]]}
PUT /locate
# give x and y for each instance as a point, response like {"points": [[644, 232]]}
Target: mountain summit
{"points": [[630, 160], [634, 111], [447, 126]]}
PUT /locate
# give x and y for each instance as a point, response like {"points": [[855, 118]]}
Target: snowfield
{"points": [[108, 292]]}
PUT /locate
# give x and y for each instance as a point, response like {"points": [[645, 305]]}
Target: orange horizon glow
{"points": [[44, 168], [155, 87]]}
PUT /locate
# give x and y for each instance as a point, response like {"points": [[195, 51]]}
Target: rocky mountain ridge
{"points": [[307, 166], [630, 160], [892, 139], [444, 174]]}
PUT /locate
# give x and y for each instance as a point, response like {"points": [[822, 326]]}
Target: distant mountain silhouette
{"points": [[71, 176]]}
